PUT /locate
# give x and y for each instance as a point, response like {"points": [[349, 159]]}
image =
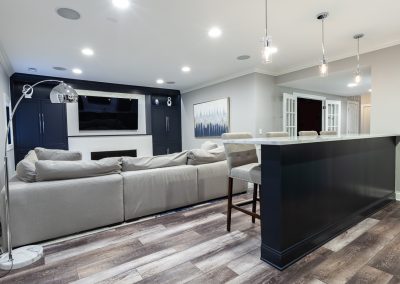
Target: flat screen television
{"points": [[102, 113]]}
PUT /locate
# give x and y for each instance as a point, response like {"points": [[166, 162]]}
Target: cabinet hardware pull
{"points": [[43, 122], [40, 124]]}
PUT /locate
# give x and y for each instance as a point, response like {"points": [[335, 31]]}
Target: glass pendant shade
{"points": [[267, 51], [323, 68], [357, 78]]}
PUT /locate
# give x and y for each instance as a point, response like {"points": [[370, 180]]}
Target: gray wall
{"points": [[4, 95], [385, 97], [241, 92], [255, 106]]}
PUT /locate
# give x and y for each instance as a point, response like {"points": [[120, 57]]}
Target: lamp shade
{"points": [[63, 93]]}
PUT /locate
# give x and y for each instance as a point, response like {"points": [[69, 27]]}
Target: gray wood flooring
{"points": [[193, 246]]}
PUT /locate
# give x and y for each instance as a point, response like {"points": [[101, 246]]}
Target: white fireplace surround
{"points": [[88, 144], [110, 140]]}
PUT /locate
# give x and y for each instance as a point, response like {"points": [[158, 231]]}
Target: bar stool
{"points": [[277, 134], [328, 133], [308, 133], [243, 165]]}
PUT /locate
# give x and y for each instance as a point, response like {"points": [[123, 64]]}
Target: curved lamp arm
{"points": [[63, 94]]}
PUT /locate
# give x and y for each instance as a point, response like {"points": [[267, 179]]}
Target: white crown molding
{"points": [[5, 62], [336, 58], [227, 78], [219, 80]]}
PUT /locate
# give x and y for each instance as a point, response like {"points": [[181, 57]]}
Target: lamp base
{"points": [[22, 257]]}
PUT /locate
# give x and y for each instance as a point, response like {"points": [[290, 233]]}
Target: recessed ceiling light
{"points": [[32, 69], [214, 32], [243, 57], [121, 4], [160, 81], [68, 13], [186, 69], [87, 51], [58, 68], [351, 85], [370, 90], [77, 71]]}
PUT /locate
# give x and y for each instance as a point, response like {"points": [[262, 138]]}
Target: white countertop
{"points": [[304, 139]]}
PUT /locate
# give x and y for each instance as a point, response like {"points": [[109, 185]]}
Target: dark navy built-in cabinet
{"points": [[39, 123], [166, 124]]}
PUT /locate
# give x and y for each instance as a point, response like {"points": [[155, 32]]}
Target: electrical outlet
{"points": [[260, 131]]}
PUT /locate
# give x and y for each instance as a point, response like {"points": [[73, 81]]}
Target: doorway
{"points": [[309, 115]]}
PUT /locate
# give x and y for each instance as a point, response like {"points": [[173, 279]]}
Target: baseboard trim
{"points": [[398, 196]]}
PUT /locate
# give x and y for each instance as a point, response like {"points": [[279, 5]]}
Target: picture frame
{"points": [[211, 118]]}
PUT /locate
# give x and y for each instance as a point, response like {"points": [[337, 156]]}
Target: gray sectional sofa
{"points": [[49, 209]]}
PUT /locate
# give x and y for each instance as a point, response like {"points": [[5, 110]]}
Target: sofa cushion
{"points": [[212, 180], [58, 170], [57, 155], [26, 169], [200, 156], [52, 209], [157, 190], [209, 145], [146, 163]]}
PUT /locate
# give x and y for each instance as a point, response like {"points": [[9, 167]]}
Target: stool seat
{"points": [[249, 172]]}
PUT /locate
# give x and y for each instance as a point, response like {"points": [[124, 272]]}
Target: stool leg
{"points": [[229, 213], [253, 219]]}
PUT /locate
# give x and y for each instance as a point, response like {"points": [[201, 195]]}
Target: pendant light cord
{"points": [[358, 56], [323, 40], [266, 18]]}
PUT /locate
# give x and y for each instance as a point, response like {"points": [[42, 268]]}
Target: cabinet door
{"points": [[159, 123], [173, 125], [27, 125], [159, 149], [54, 130]]}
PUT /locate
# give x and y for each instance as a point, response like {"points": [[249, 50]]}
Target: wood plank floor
{"points": [[193, 246]]}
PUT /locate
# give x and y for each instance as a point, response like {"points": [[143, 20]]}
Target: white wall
{"points": [[4, 96], [242, 94]]}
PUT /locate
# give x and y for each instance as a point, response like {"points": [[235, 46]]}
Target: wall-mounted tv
{"points": [[102, 113]]}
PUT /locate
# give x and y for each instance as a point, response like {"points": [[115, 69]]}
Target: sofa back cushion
{"points": [[209, 145], [145, 163], [58, 170], [57, 155], [200, 156], [26, 169]]}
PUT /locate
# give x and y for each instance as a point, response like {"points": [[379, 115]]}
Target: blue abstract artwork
{"points": [[211, 119]]}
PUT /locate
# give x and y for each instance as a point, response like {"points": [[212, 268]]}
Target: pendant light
{"points": [[267, 49], [323, 67], [357, 77]]}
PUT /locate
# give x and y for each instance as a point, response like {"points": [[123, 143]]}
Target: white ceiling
{"points": [[155, 38], [335, 83]]}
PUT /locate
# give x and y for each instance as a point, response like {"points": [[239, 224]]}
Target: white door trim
{"points": [[347, 117], [311, 97], [362, 113]]}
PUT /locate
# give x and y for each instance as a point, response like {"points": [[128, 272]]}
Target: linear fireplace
{"points": [[108, 154]]}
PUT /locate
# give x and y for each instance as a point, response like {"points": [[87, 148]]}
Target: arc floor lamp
{"points": [[23, 256]]}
